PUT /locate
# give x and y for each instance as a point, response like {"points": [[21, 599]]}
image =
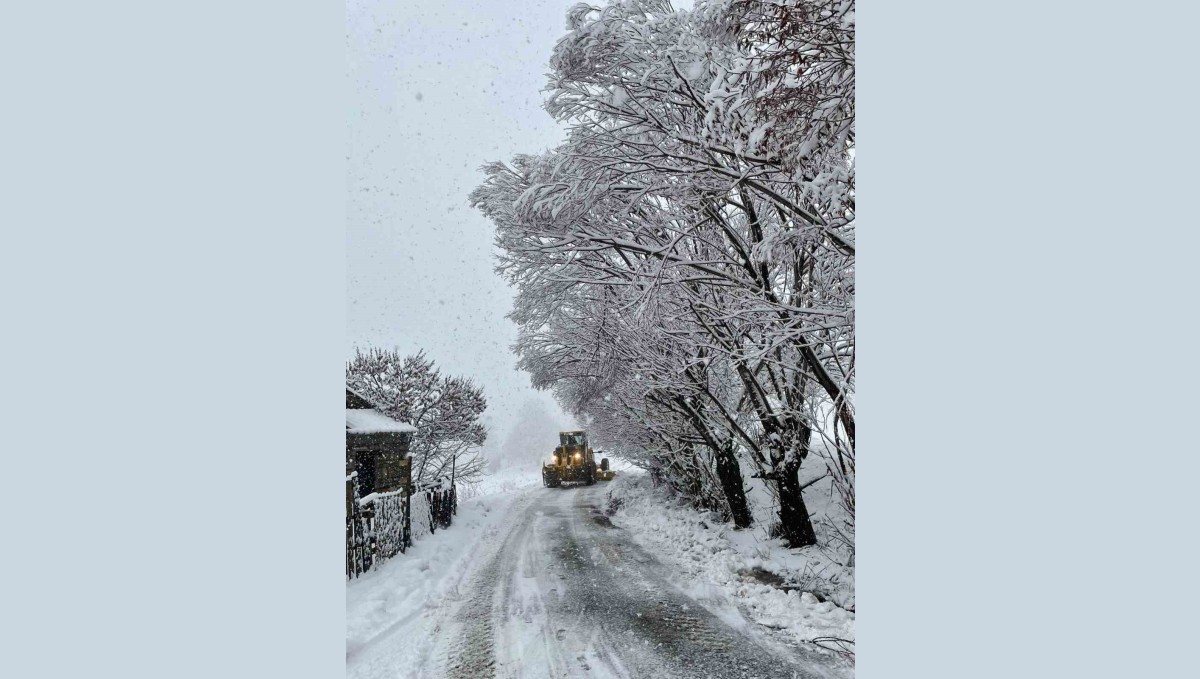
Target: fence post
{"points": [[431, 500], [357, 536], [349, 527], [407, 541]]}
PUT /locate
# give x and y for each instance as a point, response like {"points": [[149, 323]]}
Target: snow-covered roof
{"points": [[371, 421]]}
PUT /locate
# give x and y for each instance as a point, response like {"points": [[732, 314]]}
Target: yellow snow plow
{"points": [[604, 473], [574, 461]]}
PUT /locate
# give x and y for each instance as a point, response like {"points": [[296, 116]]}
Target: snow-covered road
{"points": [[551, 588]]}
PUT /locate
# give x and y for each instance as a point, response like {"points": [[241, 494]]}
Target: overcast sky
{"points": [[437, 89]]}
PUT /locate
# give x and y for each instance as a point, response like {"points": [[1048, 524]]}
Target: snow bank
{"points": [[767, 581]]}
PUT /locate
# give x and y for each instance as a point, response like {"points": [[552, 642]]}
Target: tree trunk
{"points": [[730, 475], [794, 525]]}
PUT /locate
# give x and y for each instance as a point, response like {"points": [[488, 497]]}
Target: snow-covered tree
{"points": [[684, 261], [445, 410]]}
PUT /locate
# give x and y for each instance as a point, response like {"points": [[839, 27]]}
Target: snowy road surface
{"points": [[553, 589]]}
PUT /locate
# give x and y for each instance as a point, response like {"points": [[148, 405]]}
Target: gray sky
{"points": [[437, 89]]}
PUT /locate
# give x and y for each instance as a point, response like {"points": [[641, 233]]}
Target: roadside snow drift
{"points": [[764, 578]]}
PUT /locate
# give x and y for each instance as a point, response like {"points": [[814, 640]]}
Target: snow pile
{"points": [[766, 580]]}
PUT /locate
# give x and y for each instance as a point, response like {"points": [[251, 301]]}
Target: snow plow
{"points": [[604, 473], [574, 461]]}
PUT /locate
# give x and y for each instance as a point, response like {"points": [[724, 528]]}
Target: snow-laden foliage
{"points": [[684, 261], [445, 410]]}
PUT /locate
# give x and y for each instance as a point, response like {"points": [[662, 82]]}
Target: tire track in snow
{"points": [[461, 643], [659, 630], [564, 595], [490, 607], [471, 651]]}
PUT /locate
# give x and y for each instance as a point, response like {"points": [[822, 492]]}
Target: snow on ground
{"points": [[403, 595], [415, 611], [710, 554], [506, 481]]}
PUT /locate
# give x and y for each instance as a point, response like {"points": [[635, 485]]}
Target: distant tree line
{"points": [[684, 260]]}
